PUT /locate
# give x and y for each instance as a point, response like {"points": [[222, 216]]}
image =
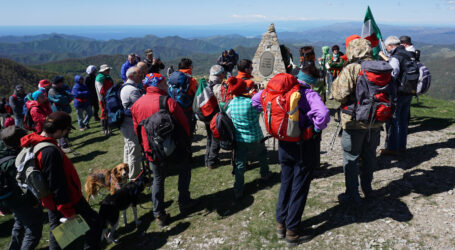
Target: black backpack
{"points": [[166, 139], [409, 73], [7, 185], [114, 107]]}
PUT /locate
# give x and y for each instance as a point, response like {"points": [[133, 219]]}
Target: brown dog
{"points": [[107, 178]]}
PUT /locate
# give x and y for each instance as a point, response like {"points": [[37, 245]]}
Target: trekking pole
{"points": [[336, 130]]}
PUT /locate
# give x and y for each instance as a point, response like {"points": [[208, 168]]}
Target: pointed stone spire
{"points": [[271, 28]]}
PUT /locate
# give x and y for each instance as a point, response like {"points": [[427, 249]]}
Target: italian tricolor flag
{"points": [[371, 32]]}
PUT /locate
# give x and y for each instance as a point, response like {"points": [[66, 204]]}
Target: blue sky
{"points": [[203, 12]]}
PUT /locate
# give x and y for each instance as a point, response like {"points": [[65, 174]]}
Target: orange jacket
{"points": [[252, 87], [193, 83]]}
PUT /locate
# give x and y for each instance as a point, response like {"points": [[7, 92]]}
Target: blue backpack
{"points": [[114, 107], [179, 84]]}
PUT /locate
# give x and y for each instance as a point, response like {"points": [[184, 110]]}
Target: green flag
{"points": [[371, 32]]}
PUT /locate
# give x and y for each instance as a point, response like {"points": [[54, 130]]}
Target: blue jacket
{"points": [[81, 94], [125, 67], [60, 99]]}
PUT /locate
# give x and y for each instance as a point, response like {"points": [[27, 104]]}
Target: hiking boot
{"points": [[83, 129], [350, 200], [162, 220], [280, 230], [188, 206], [294, 238], [388, 152]]}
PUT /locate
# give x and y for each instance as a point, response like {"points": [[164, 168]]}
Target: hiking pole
{"points": [[336, 130]]}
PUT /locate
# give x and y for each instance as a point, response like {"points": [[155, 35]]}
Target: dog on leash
{"points": [[111, 179], [123, 198]]}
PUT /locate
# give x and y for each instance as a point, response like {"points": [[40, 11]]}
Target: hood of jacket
{"points": [[77, 79], [359, 49], [325, 50], [34, 138]]}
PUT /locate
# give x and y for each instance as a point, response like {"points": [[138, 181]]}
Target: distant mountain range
{"points": [[68, 54]]}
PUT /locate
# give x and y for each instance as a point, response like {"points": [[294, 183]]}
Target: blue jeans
{"points": [[28, 227], [19, 121], [83, 116], [397, 127], [359, 144], [242, 151], [159, 176], [298, 161]]}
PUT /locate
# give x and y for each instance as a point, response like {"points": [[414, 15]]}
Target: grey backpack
{"points": [[29, 176]]}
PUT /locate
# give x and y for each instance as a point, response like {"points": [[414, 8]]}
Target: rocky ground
{"points": [[414, 209]]}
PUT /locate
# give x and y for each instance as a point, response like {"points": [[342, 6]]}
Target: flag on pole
{"points": [[371, 32]]}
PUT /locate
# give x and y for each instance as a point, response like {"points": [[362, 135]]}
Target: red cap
{"points": [[351, 38], [237, 86], [44, 83]]}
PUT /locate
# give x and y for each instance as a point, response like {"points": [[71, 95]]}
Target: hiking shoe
{"points": [[67, 150], [83, 129], [294, 238], [188, 206], [162, 220], [280, 230], [388, 152], [209, 166], [346, 199]]}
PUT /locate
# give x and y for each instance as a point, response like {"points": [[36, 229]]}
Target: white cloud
{"points": [[250, 17]]}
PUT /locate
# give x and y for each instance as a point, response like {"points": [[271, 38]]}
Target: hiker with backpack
{"points": [[405, 75], [129, 94], [16, 102], [248, 134], [164, 134], [63, 198], [361, 123], [298, 129], [205, 106], [90, 83], [245, 68], [44, 85], [130, 62], [38, 110], [60, 100], [406, 42], [27, 212], [182, 88], [81, 103], [103, 83]]}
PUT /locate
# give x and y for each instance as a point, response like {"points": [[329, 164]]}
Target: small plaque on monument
{"points": [[266, 63]]}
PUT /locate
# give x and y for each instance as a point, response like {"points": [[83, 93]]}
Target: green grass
{"points": [[247, 224]]}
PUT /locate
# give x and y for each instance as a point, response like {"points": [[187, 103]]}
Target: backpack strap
{"points": [[163, 102], [24, 155]]}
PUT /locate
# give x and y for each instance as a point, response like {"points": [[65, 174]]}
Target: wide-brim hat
{"points": [[104, 67]]}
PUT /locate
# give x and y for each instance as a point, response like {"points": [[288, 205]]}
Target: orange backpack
{"points": [[280, 104]]}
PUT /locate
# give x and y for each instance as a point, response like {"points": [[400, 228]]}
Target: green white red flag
{"points": [[371, 32]]}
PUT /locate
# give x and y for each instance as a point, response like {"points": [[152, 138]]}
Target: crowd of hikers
{"points": [[157, 116]]}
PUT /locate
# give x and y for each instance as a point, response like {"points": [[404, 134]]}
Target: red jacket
{"points": [[39, 112], [148, 105], [61, 176]]}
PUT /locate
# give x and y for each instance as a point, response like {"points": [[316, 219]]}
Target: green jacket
{"points": [[9, 167]]}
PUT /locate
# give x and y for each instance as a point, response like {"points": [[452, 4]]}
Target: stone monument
{"points": [[267, 61]]}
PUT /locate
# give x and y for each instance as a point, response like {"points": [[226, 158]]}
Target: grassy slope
{"points": [[217, 217]]}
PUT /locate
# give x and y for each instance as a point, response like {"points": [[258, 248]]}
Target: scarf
{"points": [[306, 78], [101, 78]]}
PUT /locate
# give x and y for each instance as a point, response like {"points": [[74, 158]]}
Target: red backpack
{"points": [[279, 101], [374, 92]]}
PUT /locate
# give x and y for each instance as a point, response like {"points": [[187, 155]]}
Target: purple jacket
{"points": [[312, 110]]}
